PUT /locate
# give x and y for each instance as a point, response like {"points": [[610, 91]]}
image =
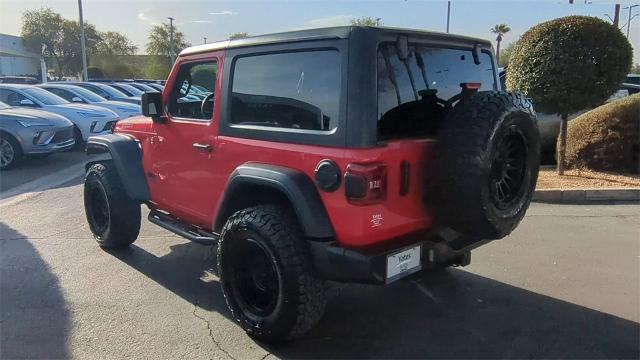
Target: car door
{"points": [[183, 175]]}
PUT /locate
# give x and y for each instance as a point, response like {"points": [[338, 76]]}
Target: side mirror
{"points": [[76, 99], [26, 102], [152, 105]]}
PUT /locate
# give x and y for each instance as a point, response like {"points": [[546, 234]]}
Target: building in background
{"points": [[16, 60]]}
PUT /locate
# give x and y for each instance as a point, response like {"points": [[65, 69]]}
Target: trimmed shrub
{"points": [[607, 138], [569, 64]]}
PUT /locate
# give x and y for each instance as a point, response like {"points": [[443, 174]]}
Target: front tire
{"points": [[266, 275], [113, 217], [10, 152]]}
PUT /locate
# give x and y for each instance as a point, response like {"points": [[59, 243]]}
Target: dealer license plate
{"points": [[403, 263]]}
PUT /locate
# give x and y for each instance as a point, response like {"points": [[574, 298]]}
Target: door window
{"points": [[11, 97], [192, 95]]}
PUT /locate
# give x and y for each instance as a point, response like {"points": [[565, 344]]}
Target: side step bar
{"points": [[178, 227]]}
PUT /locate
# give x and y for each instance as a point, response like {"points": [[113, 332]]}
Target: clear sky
{"points": [[217, 19]]}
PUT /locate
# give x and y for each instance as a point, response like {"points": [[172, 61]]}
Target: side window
{"points": [[11, 97], [62, 93], [192, 95], [296, 90]]}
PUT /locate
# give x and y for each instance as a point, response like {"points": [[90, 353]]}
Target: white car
{"points": [[76, 94], [87, 119]]}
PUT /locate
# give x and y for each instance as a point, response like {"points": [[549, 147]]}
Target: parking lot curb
{"points": [[576, 196]]}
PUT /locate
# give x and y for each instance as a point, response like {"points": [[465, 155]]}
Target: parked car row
{"points": [[37, 120]]}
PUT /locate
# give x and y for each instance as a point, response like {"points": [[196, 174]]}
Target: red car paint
{"points": [[189, 183]]}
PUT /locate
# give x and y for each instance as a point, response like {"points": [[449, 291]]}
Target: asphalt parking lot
{"points": [[565, 284], [34, 168]]}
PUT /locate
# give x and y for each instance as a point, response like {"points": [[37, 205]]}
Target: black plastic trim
{"points": [[127, 159], [367, 265], [297, 187]]}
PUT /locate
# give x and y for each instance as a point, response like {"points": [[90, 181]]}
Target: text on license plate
{"points": [[403, 263]]}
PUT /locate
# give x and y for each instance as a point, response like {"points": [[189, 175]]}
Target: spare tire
{"points": [[487, 164]]}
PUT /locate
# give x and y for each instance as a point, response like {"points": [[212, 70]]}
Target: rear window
{"points": [[297, 90], [427, 74]]}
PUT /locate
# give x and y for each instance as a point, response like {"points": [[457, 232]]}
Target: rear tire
{"points": [[266, 275], [113, 217], [487, 164], [10, 152]]}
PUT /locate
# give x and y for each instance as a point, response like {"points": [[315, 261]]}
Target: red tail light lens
{"points": [[365, 183]]}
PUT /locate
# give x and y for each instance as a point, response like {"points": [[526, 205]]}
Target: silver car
{"points": [[88, 119], [28, 132], [76, 94]]}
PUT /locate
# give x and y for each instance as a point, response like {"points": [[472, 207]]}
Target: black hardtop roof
{"points": [[340, 32]]}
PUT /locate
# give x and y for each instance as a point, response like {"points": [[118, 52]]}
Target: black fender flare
{"points": [[127, 159], [296, 186]]}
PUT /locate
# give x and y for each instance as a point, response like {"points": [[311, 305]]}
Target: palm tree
{"points": [[500, 30]]}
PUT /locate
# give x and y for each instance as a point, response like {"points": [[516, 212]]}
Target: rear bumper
{"points": [[369, 265]]}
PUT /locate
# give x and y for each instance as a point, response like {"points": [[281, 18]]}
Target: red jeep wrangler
{"points": [[349, 154]]}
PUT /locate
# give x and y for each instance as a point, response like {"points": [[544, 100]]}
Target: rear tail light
{"points": [[365, 183]]}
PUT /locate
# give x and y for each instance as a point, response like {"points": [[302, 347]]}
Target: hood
{"points": [[121, 105], [84, 108], [34, 114]]}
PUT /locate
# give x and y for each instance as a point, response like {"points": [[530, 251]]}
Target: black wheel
{"points": [[114, 218], [266, 276], [10, 152], [487, 164]]}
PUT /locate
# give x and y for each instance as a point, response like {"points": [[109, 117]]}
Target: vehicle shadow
{"points": [[445, 314], [34, 318]]}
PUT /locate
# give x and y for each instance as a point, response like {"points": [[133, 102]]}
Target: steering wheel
{"points": [[448, 104], [207, 114]]}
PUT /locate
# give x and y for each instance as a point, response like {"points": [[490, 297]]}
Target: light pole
{"points": [[448, 14], [85, 77], [630, 7], [171, 55]]}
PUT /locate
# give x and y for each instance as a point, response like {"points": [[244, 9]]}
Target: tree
{"points": [[46, 32], [567, 65], [505, 54], [366, 21], [500, 30], [71, 49], [115, 43], [238, 35], [41, 33], [159, 39]]}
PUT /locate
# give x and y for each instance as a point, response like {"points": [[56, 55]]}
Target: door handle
{"points": [[203, 147]]}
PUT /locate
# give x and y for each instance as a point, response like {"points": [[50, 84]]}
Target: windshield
{"points": [[45, 97], [133, 91], [114, 93], [88, 95]]}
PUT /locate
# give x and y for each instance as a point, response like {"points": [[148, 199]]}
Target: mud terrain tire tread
{"points": [[303, 296], [124, 213], [464, 160]]}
